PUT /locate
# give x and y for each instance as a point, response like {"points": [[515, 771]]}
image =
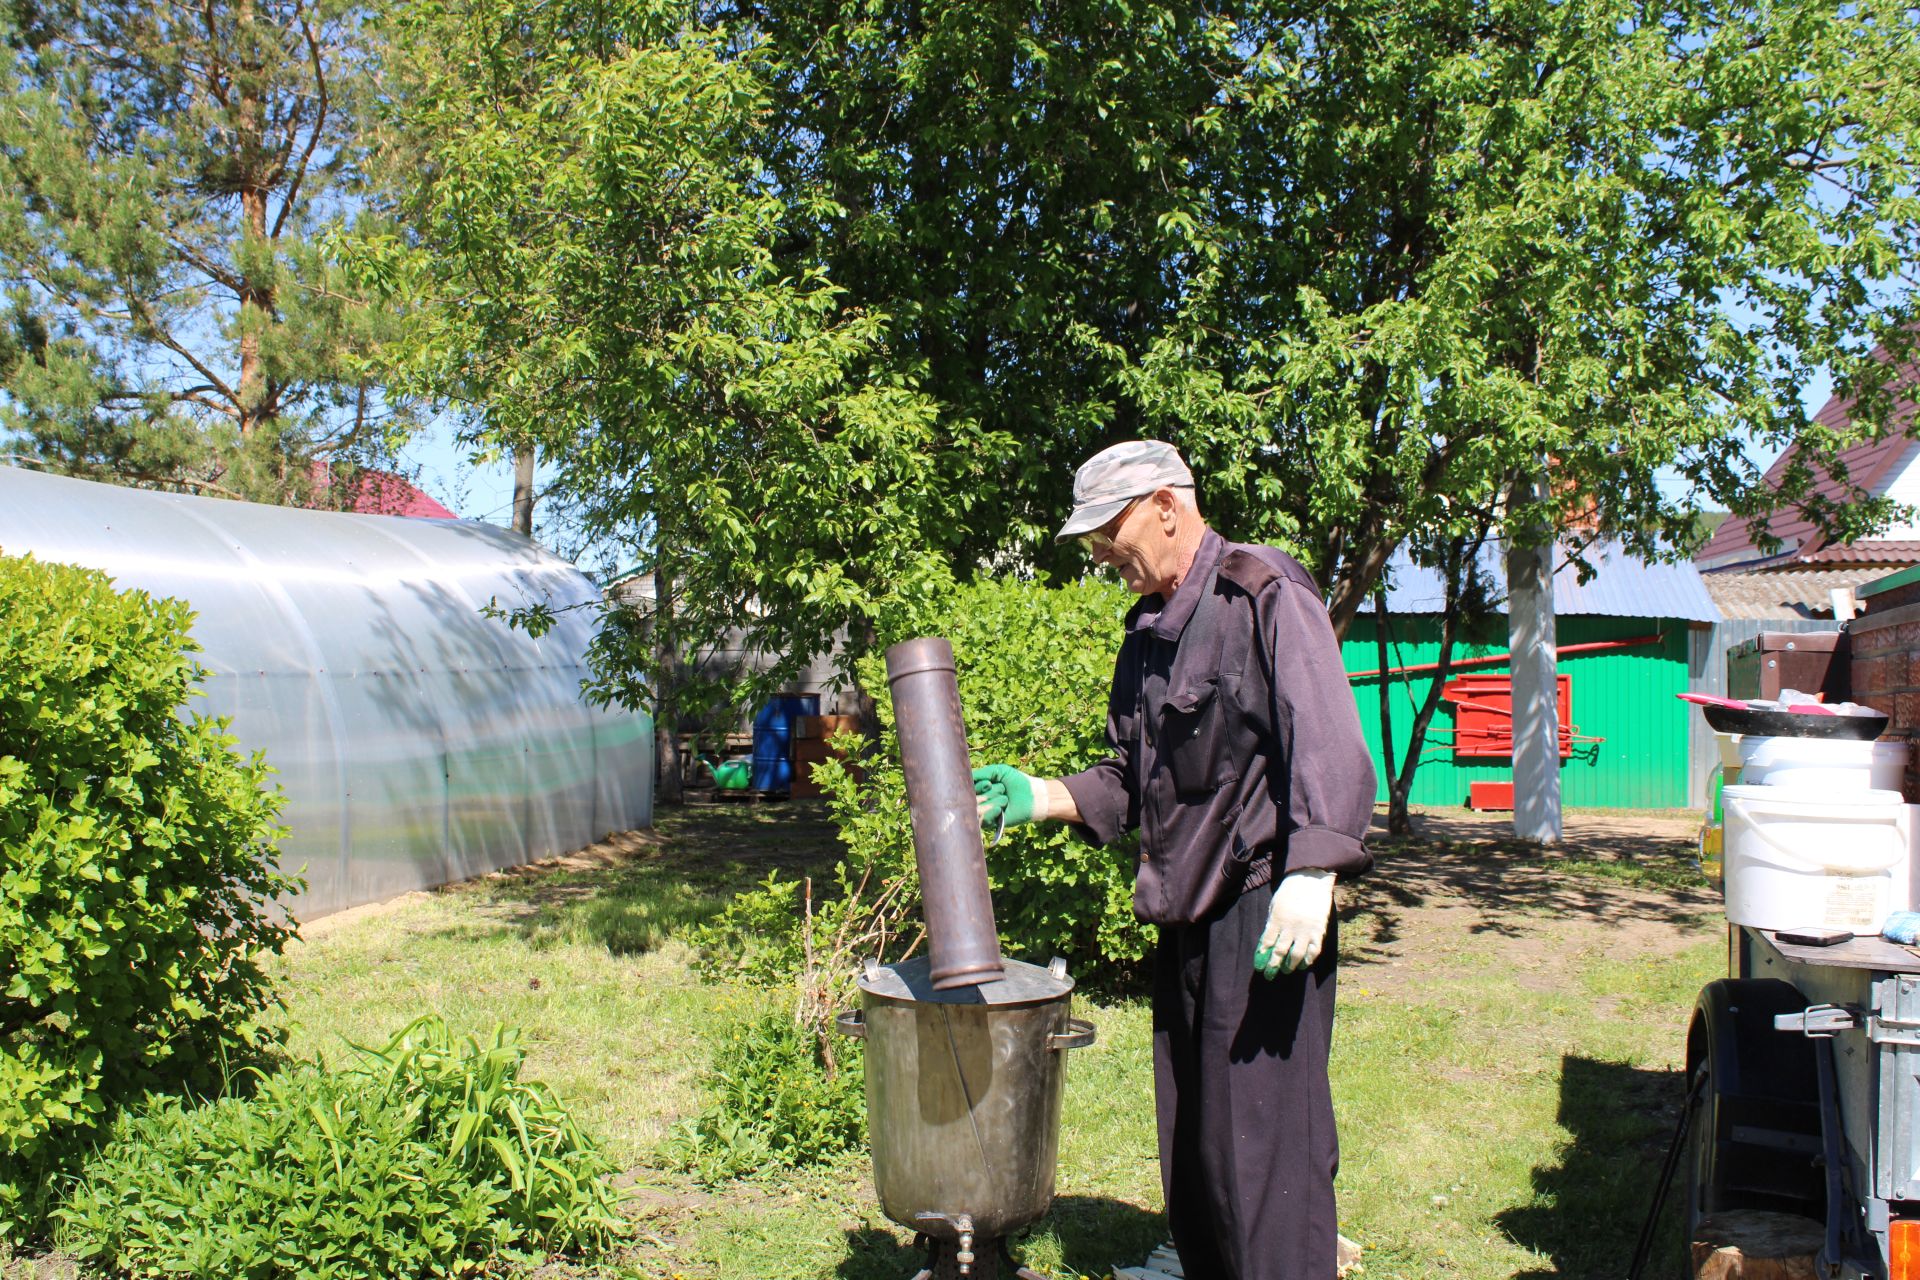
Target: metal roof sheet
{"points": [[1884, 552], [382, 493], [1623, 585]]}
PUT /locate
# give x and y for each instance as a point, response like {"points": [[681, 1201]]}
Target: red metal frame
{"points": [[1483, 715]]}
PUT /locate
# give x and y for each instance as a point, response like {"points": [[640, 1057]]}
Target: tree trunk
{"points": [[1386, 685], [523, 490], [866, 712], [256, 296], [666, 738], [1457, 564], [1531, 641], [259, 301], [1399, 813], [1364, 563]]}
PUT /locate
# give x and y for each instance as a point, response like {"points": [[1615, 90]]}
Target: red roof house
{"points": [[1797, 579], [376, 493]]}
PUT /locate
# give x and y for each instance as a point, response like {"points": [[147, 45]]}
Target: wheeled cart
{"points": [[1803, 1072]]}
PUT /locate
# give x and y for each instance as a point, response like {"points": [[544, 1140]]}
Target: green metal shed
{"points": [[1623, 640]]}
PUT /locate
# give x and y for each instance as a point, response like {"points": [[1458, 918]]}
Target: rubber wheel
{"points": [[1767, 1087], [1706, 1182]]}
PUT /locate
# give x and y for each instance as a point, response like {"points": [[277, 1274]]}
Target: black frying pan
{"points": [[1793, 724]]}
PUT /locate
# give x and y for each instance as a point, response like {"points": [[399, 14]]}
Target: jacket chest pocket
{"points": [[1192, 737]]}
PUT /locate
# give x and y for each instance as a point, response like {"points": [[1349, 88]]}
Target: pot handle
{"points": [[852, 1023], [1078, 1035]]}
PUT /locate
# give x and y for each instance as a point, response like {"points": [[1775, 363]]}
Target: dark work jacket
{"points": [[1236, 746]]}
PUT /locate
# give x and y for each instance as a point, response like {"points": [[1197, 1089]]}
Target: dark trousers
{"points": [[1247, 1146]]}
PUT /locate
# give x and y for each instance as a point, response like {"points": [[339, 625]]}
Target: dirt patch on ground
{"points": [[320, 927], [1616, 883]]}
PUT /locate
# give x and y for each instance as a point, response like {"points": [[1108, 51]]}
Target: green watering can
{"points": [[731, 775]]}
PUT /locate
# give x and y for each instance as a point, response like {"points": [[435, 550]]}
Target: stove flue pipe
{"points": [[962, 943]]}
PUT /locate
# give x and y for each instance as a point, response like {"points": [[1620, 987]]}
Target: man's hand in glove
{"points": [[1296, 923], [1006, 796]]}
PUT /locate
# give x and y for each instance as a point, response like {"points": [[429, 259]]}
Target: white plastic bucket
{"points": [[1801, 858], [1835, 764]]}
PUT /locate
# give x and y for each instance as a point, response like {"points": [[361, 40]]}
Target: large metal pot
{"points": [[963, 1094]]}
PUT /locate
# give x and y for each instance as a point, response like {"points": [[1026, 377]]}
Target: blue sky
{"points": [[475, 491]]}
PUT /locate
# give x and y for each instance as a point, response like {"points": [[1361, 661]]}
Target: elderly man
{"points": [[1237, 754]]}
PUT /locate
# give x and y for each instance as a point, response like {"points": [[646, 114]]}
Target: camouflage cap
{"points": [[1113, 477]]}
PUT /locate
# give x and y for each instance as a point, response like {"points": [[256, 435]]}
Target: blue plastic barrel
{"points": [[773, 739]]}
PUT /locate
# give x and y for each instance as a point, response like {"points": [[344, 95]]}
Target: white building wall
{"points": [[1905, 489]]}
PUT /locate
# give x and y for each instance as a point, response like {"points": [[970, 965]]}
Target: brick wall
{"points": [[1886, 670]]}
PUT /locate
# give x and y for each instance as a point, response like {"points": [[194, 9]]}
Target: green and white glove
{"points": [[1296, 923], [1005, 796]]}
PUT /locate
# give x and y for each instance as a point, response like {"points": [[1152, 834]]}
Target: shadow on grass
{"points": [[1610, 876], [874, 1253], [1097, 1234], [1094, 1235], [1587, 1209], [634, 891]]}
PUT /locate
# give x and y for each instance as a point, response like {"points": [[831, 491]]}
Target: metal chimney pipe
{"points": [[962, 943]]}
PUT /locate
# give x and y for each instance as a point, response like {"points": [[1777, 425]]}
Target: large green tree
{"points": [[590, 260], [821, 301], [1011, 184], [1371, 263], [162, 171], [1454, 244]]}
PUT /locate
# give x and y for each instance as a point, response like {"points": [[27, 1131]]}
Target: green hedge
{"points": [[1035, 664], [772, 1104], [136, 871]]}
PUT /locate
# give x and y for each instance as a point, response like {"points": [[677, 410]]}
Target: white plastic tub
{"points": [[1810, 858], [1836, 764]]}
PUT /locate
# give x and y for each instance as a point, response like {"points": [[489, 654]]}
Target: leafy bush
{"points": [[428, 1158], [775, 1102], [136, 871], [1035, 664]]}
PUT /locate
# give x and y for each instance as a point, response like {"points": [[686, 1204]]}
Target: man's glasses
{"points": [[1101, 539]]}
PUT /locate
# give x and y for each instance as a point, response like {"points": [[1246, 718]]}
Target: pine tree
{"points": [[164, 170]]}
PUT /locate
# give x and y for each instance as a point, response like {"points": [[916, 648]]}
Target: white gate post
{"points": [[1536, 726]]}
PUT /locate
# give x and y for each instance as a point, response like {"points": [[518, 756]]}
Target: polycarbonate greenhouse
{"points": [[418, 741]]}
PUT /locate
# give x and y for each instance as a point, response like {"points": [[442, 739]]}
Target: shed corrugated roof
{"points": [[1780, 594], [1623, 585]]}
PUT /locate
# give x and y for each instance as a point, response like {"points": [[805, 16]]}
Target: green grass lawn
{"points": [[1506, 1063]]}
